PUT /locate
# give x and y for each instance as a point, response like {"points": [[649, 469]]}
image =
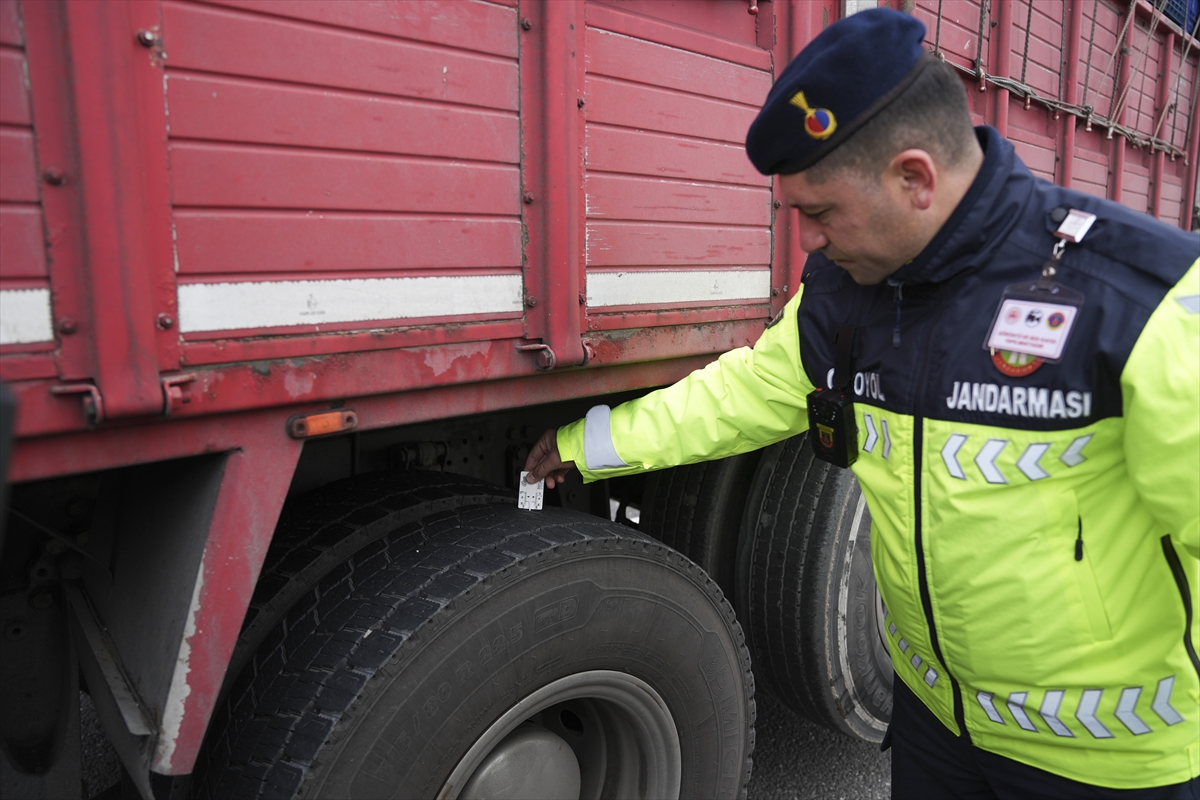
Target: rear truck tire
{"points": [[697, 509], [806, 593], [485, 651], [323, 528]]}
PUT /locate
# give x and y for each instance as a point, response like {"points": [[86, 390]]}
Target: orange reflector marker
{"points": [[302, 426]]}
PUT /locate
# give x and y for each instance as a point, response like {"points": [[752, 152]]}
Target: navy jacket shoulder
{"points": [[920, 337]]}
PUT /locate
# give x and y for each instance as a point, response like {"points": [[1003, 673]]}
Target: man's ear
{"points": [[915, 174]]}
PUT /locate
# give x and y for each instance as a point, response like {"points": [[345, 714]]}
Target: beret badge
{"points": [[819, 123]]}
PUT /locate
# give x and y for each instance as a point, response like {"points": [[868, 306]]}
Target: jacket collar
{"points": [[979, 222]]}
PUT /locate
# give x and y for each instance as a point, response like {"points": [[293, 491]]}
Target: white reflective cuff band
{"points": [[598, 450]]}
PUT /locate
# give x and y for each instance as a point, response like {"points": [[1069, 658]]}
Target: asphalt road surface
{"points": [[795, 759]]}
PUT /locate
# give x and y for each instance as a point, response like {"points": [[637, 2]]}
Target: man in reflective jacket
{"points": [[1031, 461]]}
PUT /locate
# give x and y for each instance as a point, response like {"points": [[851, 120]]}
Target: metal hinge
{"points": [[173, 396], [93, 403], [546, 357]]}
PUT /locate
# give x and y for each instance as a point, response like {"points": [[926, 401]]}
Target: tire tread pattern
{"points": [[307, 671]]}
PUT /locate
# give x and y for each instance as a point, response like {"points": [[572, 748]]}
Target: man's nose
{"points": [[812, 238]]}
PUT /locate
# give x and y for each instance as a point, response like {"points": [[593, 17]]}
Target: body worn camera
{"points": [[832, 429]]}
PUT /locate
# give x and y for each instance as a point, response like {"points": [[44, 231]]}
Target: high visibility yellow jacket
{"points": [[1036, 526]]}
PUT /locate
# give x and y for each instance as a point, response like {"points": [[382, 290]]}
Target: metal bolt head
{"points": [[54, 176], [526, 25], [579, 103], [67, 325], [527, 197], [530, 301], [165, 321], [776, 204], [774, 291], [42, 600], [146, 37]]}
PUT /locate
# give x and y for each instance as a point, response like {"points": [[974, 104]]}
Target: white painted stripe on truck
{"points": [[667, 287], [25, 316], [273, 304]]}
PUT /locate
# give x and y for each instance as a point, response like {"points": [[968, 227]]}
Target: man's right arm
{"points": [[746, 399]]}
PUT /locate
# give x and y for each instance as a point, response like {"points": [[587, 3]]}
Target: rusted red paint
{"points": [[636, 319], [285, 382], [253, 488], [552, 174], [122, 164], [223, 350]]}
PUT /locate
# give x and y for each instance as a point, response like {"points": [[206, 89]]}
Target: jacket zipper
{"points": [[923, 582], [918, 533], [1184, 592]]}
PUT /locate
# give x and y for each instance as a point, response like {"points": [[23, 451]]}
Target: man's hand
{"points": [[544, 461]]}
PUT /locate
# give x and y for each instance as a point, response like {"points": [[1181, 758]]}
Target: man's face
{"points": [[863, 226]]}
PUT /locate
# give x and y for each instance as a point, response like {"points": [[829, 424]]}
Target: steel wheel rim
{"points": [[619, 728], [880, 625]]}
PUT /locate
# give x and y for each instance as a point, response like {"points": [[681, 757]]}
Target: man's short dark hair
{"points": [[930, 115]]}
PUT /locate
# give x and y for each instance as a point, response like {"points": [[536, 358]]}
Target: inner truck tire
{"points": [[806, 593], [485, 651], [697, 509]]}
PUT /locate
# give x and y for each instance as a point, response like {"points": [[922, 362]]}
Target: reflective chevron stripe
{"points": [[930, 674], [1162, 702], [1126, 714], [1087, 714], [1018, 706], [1028, 462], [989, 708], [950, 455], [872, 436], [986, 460], [887, 439], [1049, 713], [1073, 455]]}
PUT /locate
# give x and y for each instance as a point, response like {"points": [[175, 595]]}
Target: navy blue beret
{"points": [[846, 75]]}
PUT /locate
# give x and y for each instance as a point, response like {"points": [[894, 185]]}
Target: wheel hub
{"points": [[592, 734], [530, 764]]}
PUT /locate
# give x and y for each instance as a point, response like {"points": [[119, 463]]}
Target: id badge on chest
{"points": [[1035, 318]]}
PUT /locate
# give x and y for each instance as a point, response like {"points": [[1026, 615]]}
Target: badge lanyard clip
{"points": [[1050, 268], [1035, 319]]}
